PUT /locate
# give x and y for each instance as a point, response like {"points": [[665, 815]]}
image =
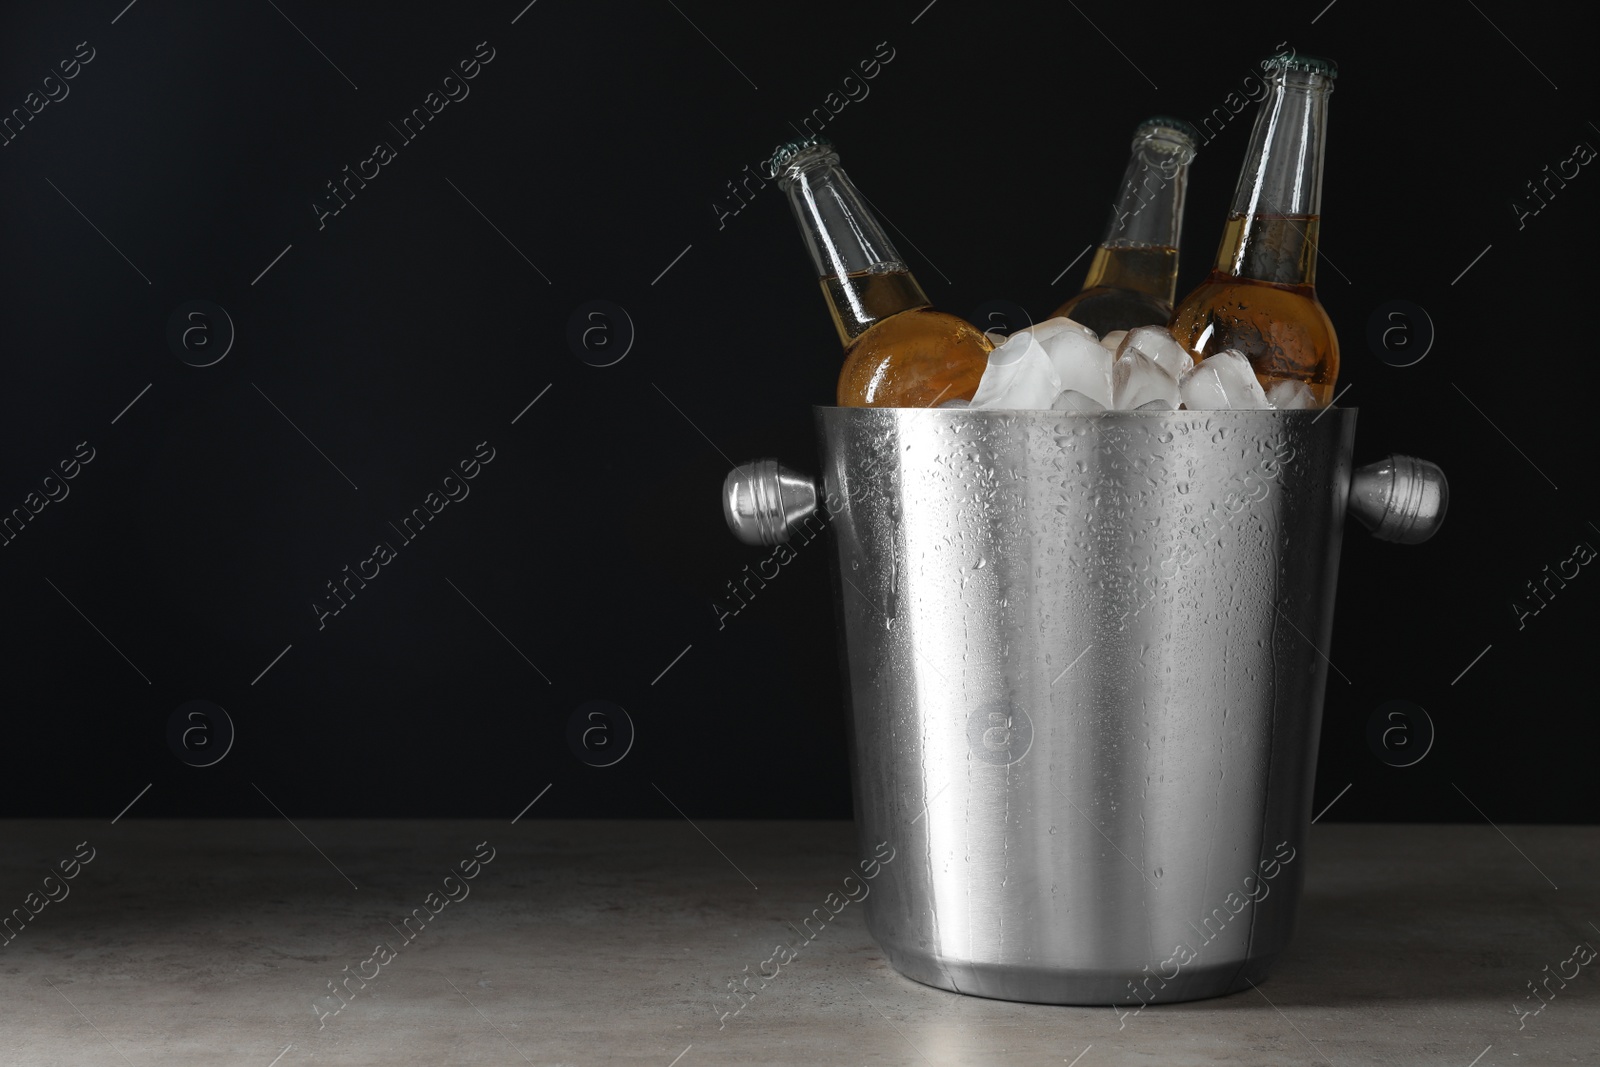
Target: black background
{"points": [[598, 141]]}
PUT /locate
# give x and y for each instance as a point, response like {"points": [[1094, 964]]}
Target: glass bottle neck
{"points": [[1271, 233], [1139, 249], [862, 275]]}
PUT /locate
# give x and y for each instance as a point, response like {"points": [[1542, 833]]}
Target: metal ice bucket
{"points": [[1086, 657]]}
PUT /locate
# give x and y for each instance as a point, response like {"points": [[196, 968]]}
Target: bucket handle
{"points": [[763, 501], [1401, 499]]}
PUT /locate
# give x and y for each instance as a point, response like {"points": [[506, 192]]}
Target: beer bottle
{"points": [[898, 351], [1260, 298], [1133, 277]]}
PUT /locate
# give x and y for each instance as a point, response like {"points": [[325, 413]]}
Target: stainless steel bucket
{"points": [[1086, 657]]}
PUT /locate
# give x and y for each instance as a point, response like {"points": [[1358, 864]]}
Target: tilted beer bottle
{"points": [[899, 352], [1260, 298], [1133, 277]]}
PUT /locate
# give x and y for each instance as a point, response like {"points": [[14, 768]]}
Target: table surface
{"points": [[217, 942]]}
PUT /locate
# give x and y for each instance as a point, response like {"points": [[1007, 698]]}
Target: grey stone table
{"points": [[218, 943]]}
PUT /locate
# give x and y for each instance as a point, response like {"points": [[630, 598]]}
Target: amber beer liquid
{"points": [[1123, 289], [899, 352], [1133, 277], [1260, 297], [911, 357]]}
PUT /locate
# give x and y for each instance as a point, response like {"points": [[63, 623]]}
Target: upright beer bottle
{"points": [[899, 352], [1260, 298], [1133, 277]]}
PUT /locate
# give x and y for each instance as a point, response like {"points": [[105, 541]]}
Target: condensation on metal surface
{"points": [[1149, 599]]}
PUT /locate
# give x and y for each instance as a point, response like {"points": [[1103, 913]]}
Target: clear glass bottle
{"points": [[899, 352], [1133, 277], [1261, 298]]}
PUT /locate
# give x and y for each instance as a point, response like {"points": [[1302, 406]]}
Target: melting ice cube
{"points": [[1136, 380], [1080, 364], [1050, 327], [1072, 400], [1157, 343], [1019, 375], [1224, 380], [1291, 395], [1113, 340]]}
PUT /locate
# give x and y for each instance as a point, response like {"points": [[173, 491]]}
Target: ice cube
{"points": [[1113, 340], [1019, 375], [1137, 380], [1224, 380], [1157, 342], [1050, 327], [1072, 400], [956, 403], [1080, 364], [1155, 405], [1291, 395]]}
